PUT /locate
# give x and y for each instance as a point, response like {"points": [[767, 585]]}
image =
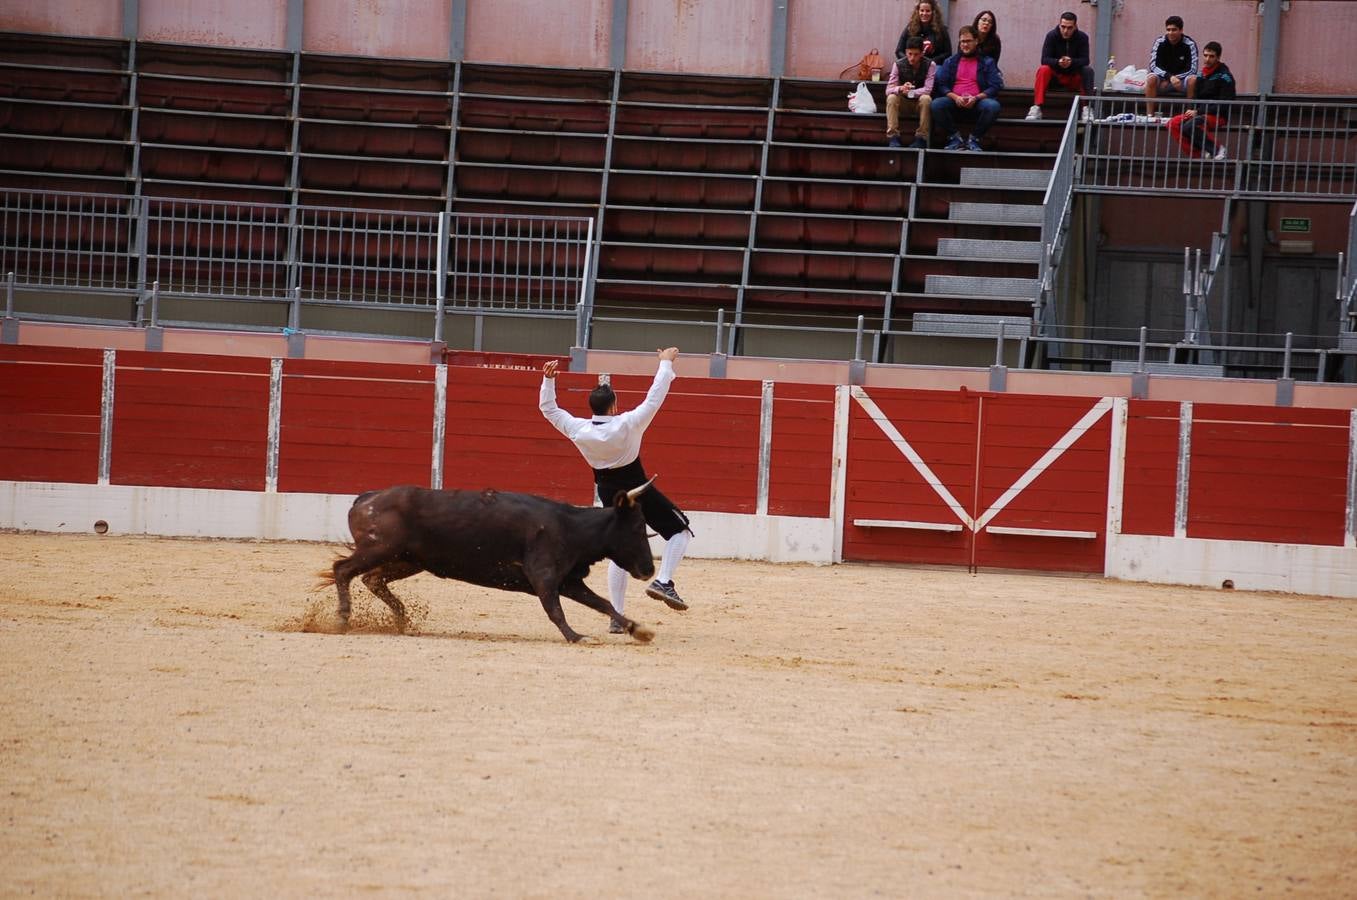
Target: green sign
{"points": [[1296, 226]]}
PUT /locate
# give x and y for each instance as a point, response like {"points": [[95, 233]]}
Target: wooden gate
{"points": [[977, 479]]}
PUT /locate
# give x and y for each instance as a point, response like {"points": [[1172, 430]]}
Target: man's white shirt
{"points": [[608, 442]]}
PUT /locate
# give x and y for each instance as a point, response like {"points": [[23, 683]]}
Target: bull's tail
{"points": [[325, 578]]}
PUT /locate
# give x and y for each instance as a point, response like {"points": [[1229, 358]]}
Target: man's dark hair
{"points": [[601, 399], [914, 43], [967, 29], [1175, 21], [1214, 47], [1069, 15]]}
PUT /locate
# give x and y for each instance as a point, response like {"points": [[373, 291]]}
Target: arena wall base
{"points": [[188, 512], [1250, 565]]}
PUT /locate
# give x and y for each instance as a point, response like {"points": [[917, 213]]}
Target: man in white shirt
{"points": [[611, 444]]}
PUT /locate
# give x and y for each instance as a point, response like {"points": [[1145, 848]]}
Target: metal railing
{"points": [[1270, 149], [82, 242], [1347, 277], [463, 262], [1057, 206]]}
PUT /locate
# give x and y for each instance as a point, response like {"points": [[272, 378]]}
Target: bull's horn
{"points": [[638, 491]]}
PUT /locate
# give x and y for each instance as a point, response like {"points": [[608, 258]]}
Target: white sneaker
{"points": [[1034, 113], [1087, 114], [1221, 155]]}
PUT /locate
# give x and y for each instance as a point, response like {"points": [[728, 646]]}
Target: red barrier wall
{"points": [[49, 414], [1262, 474], [349, 427], [495, 437], [184, 420], [1150, 486], [802, 456], [704, 445]]}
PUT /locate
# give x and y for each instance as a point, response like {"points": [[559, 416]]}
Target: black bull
{"points": [[514, 542]]}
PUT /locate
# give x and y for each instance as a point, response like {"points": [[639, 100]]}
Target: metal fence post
{"points": [[720, 327], [9, 295], [857, 341], [155, 305], [440, 276]]}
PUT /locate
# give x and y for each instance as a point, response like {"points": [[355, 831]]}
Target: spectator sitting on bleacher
{"points": [[1064, 60], [986, 27], [967, 84], [926, 22], [1173, 63], [911, 78], [1195, 129]]}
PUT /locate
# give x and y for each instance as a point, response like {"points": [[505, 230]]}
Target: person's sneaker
{"points": [[1034, 113], [973, 145], [955, 143], [664, 590], [1221, 155], [1087, 114], [894, 141], [918, 144], [616, 628]]}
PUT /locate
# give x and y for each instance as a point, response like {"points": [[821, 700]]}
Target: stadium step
{"points": [[972, 248], [1015, 178], [976, 286], [971, 325], [996, 212]]}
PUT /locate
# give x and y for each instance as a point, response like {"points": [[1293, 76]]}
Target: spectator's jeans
{"points": [[924, 103], [1196, 135], [1071, 81], [985, 111]]}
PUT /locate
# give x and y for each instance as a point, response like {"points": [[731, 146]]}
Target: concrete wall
{"points": [[707, 36]]}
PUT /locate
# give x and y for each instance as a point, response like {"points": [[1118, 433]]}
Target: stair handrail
{"points": [[1347, 279], [1057, 207]]}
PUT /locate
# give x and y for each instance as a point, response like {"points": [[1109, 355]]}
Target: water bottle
{"points": [[1111, 73]]}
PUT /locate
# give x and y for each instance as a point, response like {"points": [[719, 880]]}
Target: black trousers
{"points": [[660, 512]]}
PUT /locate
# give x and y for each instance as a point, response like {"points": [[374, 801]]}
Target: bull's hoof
{"points": [[642, 633], [343, 626]]}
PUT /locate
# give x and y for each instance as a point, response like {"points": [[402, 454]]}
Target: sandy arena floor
{"points": [[169, 726]]}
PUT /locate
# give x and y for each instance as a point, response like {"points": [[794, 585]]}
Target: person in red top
{"points": [[1195, 129]]}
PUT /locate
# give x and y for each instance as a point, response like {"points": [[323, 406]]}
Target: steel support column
{"points": [[617, 38], [1267, 48]]}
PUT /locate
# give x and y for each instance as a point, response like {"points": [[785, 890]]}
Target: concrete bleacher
{"points": [[709, 191]]}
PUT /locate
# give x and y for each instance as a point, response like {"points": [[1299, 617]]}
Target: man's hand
{"points": [[1190, 114], [549, 369], [1064, 62], [1176, 81], [668, 353]]}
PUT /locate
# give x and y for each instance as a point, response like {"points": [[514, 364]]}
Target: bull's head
{"points": [[628, 545]]}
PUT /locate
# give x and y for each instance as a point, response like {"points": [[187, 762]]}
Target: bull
{"points": [[514, 542]]}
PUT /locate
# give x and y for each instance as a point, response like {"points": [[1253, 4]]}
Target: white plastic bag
{"points": [[1130, 79], [860, 101]]}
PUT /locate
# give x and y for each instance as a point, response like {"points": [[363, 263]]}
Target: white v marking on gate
{"points": [[1057, 450], [1076, 431], [888, 428]]}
